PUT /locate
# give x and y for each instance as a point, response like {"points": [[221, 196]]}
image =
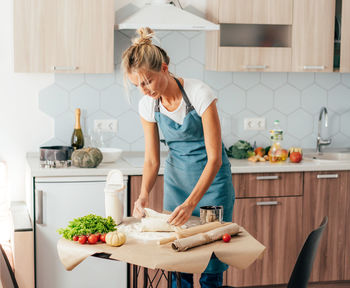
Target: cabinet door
{"points": [[313, 35], [324, 195], [61, 202], [74, 36], [347, 231], [345, 37], [277, 224]]}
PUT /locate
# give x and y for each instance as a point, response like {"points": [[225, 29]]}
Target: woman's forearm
{"points": [[150, 173], [205, 180]]}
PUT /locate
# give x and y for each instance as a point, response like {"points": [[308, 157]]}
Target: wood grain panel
{"points": [[212, 38], [279, 228], [347, 231], [345, 37], [245, 58], [326, 197], [248, 185], [256, 11], [313, 35]]}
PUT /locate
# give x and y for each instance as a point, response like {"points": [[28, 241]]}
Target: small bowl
{"points": [[110, 154]]}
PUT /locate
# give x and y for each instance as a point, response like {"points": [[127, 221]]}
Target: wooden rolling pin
{"points": [[192, 231]]}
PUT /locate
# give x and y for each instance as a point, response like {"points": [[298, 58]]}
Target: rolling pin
{"points": [[183, 233]]}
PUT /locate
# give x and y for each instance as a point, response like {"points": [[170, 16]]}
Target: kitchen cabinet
{"points": [[269, 206], [345, 38], [57, 201], [313, 35], [326, 194], [74, 36], [254, 35], [347, 231]]}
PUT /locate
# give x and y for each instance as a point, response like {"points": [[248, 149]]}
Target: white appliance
{"points": [[163, 15], [57, 201]]}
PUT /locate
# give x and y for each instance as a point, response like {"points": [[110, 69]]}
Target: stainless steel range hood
{"points": [[162, 15]]}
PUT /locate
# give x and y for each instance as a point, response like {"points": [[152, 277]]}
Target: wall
{"points": [[23, 126], [293, 98]]}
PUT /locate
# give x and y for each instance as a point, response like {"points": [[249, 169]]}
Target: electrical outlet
{"points": [[254, 123], [106, 125]]}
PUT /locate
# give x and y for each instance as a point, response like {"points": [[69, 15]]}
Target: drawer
{"points": [[268, 184]]}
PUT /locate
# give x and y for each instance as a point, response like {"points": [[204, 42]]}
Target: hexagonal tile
{"points": [[287, 99], [69, 81], [64, 126], [289, 141], [301, 80], [229, 140], [345, 79], [170, 43], [99, 81], [217, 80], [125, 120], [53, 142], [138, 145], [273, 115], [300, 124], [85, 98], [53, 100], [340, 141], [225, 122], [114, 100], [90, 121], [191, 34], [313, 98], [119, 75], [238, 125], [197, 48], [162, 33], [327, 80], [122, 42], [273, 79], [116, 142], [246, 80], [135, 97], [259, 99], [339, 98], [344, 123], [261, 140], [309, 141], [333, 124], [190, 69], [231, 99]]}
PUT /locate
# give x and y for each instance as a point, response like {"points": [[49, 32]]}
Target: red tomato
{"points": [[92, 239], [75, 238], [82, 239], [295, 157], [226, 237], [98, 236], [103, 238]]}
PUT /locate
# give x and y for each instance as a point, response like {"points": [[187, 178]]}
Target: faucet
{"points": [[320, 141]]}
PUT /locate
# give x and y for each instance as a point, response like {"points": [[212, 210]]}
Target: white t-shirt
{"points": [[199, 94]]}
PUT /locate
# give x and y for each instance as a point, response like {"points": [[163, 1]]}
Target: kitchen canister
{"points": [[211, 214], [114, 196]]}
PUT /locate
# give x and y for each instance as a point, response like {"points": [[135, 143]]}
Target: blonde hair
{"points": [[143, 54]]}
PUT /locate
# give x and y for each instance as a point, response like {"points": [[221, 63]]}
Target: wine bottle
{"points": [[77, 140]]}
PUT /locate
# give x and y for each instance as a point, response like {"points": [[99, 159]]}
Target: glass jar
{"points": [[277, 153]]}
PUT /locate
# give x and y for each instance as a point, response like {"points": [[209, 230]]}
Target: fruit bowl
{"points": [[110, 154]]}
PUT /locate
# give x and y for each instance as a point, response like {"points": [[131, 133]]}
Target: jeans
{"points": [[207, 280]]}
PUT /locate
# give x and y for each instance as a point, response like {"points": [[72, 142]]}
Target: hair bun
{"points": [[146, 35]]}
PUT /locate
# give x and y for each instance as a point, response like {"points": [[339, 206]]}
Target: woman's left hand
{"points": [[181, 214]]}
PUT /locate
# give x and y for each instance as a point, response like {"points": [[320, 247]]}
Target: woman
{"points": [[197, 171]]}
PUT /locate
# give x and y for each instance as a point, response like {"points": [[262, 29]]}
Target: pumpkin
{"points": [[87, 157], [115, 238]]}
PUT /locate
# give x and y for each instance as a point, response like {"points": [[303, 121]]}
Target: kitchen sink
{"points": [[328, 156]]}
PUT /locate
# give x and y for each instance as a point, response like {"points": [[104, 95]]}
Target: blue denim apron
{"points": [[185, 164]]}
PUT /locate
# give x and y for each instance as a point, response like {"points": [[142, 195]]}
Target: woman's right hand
{"points": [[139, 206]]}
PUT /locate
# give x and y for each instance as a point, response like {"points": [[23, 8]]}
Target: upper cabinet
{"points": [[313, 35], [75, 36], [345, 37], [255, 35]]}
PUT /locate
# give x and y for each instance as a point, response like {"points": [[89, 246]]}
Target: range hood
{"points": [[163, 15]]}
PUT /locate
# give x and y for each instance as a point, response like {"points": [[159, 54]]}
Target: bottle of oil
{"points": [[77, 140], [277, 153]]}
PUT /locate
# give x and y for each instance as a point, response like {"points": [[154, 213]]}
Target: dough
{"points": [[155, 222]]}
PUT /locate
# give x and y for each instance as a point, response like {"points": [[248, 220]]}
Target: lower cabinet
{"points": [[275, 221], [327, 194]]}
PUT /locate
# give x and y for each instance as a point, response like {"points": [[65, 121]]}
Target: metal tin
{"points": [[211, 214]]}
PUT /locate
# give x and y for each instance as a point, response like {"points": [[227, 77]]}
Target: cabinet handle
{"points": [[255, 66], [315, 67], [272, 177], [39, 206], [327, 176], [64, 68], [267, 203]]}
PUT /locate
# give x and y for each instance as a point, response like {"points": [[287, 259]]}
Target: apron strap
{"points": [[189, 106]]}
